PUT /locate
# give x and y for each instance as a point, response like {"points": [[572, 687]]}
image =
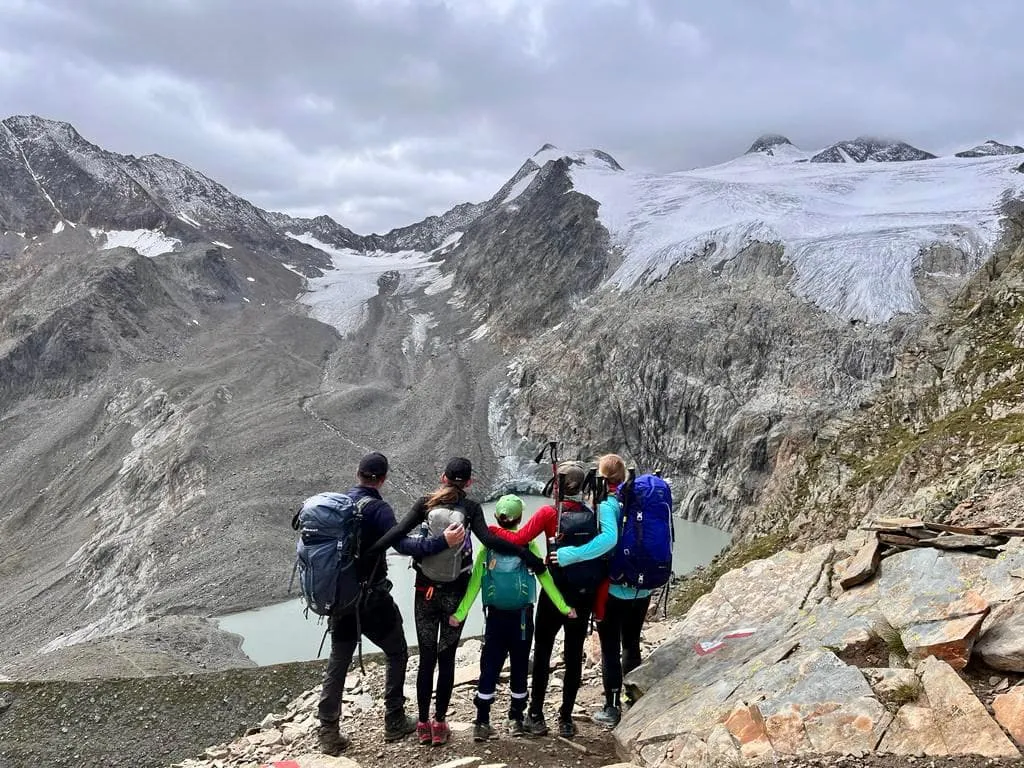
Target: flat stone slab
{"points": [[1009, 712], [914, 731], [863, 566], [963, 541], [959, 713], [950, 640], [462, 762]]}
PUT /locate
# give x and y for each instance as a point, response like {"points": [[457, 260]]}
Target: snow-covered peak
{"points": [[990, 148], [579, 157], [865, 148], [768, 143]]}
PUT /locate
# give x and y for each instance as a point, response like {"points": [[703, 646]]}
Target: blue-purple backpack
{"points": [[643, 555]]}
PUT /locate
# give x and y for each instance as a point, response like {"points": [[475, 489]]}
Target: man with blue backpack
{"points": [[353, 591], [640, 563], [509, 592]]}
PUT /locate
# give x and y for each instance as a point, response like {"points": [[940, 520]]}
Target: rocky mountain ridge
{"points": [[991, 147], [865, 148], [55, 178]]}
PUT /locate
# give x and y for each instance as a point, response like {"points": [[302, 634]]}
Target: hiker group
{"points": [[608, 544]]}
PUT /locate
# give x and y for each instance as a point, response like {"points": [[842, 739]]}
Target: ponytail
{"points": [[449, 493]]}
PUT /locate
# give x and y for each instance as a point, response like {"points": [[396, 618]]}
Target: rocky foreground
{"points": [[287, 739], [920, 660], [780, 662]]}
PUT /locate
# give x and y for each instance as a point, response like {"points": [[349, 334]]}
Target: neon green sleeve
{"points": [[475, 579], [548, 585]]}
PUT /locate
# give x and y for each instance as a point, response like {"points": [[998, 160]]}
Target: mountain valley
{"points": [[179, 369]]}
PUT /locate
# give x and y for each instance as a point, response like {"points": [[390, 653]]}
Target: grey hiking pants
{"points": [[381, 623]]}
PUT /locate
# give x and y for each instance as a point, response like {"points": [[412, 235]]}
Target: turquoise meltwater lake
{"points": [[281, 633]]}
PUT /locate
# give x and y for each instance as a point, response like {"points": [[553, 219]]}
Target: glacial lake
{"points": [[281, 633]]}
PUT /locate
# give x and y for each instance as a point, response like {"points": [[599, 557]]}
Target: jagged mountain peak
{"points": [[29, 122], [578, 157], [873, 148], [767, 142], [991, 148]]}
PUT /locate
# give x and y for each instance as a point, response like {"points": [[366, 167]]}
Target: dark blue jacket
{"points": [[378, 519]]}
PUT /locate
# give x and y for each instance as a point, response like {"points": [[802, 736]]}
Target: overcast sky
{"points": [[380, 112]]}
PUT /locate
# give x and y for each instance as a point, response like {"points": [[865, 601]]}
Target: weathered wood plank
{"points": [[863, 566], [1004, 531]]}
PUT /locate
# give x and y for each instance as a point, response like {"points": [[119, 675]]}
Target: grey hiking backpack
{"points": [[445, 566]]}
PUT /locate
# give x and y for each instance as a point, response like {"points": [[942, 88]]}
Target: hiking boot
{"points": [[567, 729], [332, 741], [483, 732], [515, 728], [608, 717], [439, 732], [423, 735], [397, 728], [535, 725]]}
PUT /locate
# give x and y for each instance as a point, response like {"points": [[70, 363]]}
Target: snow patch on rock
{"points": [[519, 187], [147, 242]]}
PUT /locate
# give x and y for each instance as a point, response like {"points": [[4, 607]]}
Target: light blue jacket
{"points": [[604, 542], [626, 592]]}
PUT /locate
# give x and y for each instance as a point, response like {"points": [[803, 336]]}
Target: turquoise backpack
{"points": [[508, 585]]}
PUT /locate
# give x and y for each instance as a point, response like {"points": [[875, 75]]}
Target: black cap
{"points": [[458, 470], [373, 465]]}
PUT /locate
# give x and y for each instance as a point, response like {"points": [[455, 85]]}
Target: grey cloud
{"points": [[383, 111]]}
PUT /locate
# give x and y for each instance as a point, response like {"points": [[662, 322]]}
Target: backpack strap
{"points": [[361, 505]]}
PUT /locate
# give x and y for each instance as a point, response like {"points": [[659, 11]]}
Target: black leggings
{"points": [[439, 642], [549, 621], [620, 633]]}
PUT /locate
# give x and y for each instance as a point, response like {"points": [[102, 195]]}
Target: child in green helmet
{"points": [[509, 591]]}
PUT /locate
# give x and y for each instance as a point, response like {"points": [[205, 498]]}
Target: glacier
{"points": [[338, 297], [854, 233]]}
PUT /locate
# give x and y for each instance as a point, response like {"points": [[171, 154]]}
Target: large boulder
{"points": [[1001, 645]]}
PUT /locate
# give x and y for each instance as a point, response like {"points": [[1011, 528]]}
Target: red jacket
{"points": [[544, 520]]}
